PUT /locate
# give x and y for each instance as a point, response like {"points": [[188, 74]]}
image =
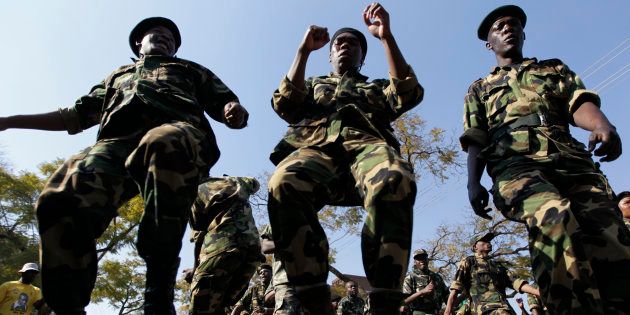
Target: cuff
{"points": [[70, 120], [474, 136], [291, 92], [581, 96], [518, 284], [456, 285], [407, 84]]}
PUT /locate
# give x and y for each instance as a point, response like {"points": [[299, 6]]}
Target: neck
{"points": [[350, 71], [509, 59]]}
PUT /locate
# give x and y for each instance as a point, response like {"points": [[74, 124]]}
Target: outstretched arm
{"points": [[377, 20], [47, 121], [449, 303], [589, 117]]}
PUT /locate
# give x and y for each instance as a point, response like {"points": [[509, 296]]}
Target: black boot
{"points": [[385, 302], [160, 286], [315, 300]]}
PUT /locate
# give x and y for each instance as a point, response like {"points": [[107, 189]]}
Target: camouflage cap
{"points": [[487, 237], [138, 32], [420, 252], [506, 10]]}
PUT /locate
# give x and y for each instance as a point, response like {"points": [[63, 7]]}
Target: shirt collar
{"points": [[524, 63], [356, 75]]}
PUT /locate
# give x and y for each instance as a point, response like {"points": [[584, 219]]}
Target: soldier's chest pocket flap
{"points": [[547, 84], [496, 98], [176, 74]]}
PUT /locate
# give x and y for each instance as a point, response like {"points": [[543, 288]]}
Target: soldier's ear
{"points": [[488, 46]]}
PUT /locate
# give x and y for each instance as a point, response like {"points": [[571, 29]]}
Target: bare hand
{"points": [[428, 289], [235, 115], [610, 147], [314, 38], [377, 20], [478, 197]]}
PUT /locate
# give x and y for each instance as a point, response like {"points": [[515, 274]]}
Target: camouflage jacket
{"points": [[486, 281], [331, 103], [534, 302], [627, 222], [351, 305], [253, 297], [221, 215], [547, 89], [152, 91], [416, 280]]}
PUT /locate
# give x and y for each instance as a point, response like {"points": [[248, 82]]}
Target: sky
{"points": [[55, 51]]}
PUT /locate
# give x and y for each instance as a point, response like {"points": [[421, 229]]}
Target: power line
{"points": [[616, 75], [585, 73]]}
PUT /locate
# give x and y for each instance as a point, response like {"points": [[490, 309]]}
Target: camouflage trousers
{"points": [[312, 177], [221, 280], [83, 195], [580, 251], [286, 300]]}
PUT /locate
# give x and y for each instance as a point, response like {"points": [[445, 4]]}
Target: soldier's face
{"points": [[346, 53], [265, 275], [352, 288], [506, 36], [624, 206], [421, 262], [158, 40], [483, 248]]}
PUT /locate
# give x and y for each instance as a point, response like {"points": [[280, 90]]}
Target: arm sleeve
{"points": [[462, 276], [408, 287], [86, 111], [290, 102], [573, 88], [475, 121], [214, 94], [403, 94], [246, 300]]}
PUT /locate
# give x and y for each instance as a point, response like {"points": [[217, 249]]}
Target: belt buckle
{"points": [[543, 119]]}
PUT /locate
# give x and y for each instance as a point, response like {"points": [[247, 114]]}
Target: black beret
{"points": [[622, 195], [138, 32], [506, 10], [264, 266], [355, 32]]}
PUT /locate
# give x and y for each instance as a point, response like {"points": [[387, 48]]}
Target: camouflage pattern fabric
{"points": [[626, 221], [464, 308], [286, 300], [545, 178], [418, 279], [254, 297], [486, 281], [341, 151], [230, 252], [153, 139], [351, 305], [534, 302]]}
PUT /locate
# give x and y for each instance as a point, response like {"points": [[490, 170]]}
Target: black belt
{"points": [[531, 120]]}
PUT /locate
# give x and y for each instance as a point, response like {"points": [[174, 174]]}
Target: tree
{"points": [[452, 243], [19, 239], [121, 284]]}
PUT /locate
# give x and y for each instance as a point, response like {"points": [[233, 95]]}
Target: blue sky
{"points": [[53, 52]]}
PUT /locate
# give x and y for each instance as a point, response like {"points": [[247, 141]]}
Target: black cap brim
{"points": [[506, 10], [138, 32]]}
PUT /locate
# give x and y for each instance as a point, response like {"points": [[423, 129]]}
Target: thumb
{"points": [[592, 141]]}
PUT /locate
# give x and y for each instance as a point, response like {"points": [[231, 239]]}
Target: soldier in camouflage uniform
{"points": [[227, 248], [516, 121], [351, 304], [280, 290], [623, 202], [340, 150], [253, 302], [425, 289], [486, 280], [153, 139]]}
